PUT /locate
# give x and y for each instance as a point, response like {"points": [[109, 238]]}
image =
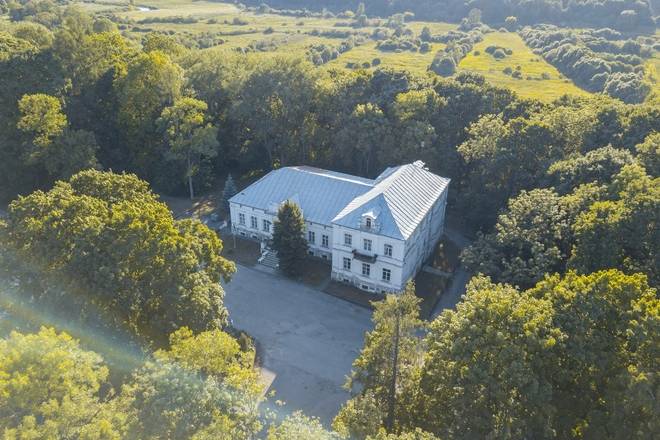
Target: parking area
{"points": [[308, 339]]}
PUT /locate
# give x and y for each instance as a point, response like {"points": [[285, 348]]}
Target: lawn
{"points": [[531, 66], [294, 35]]}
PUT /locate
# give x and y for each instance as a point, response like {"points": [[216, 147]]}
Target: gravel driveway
{"points": [[308, 339]]}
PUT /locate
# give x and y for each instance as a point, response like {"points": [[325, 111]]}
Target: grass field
{"points": [[531, 66], [294, 35]]}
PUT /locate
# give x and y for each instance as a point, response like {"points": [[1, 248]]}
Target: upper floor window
{"points": [[253, 222], [267, 224], [366, 269], [347, 263], [241, 219], [348, 240], [387, 275], [388, 250], [367, 245], [325, 241], [311, 237], [367, 222]]}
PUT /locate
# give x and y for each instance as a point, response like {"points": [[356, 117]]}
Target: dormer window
{"points": [[367, 222]]}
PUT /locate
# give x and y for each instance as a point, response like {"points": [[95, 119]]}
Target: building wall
{"points": [[317, 249], [407, 257], [374, 281], [423, 241]]}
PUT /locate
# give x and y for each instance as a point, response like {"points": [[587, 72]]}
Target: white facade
{"points": [[377, 233]]}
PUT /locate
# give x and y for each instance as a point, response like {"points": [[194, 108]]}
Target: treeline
{"points": [[571, 357], [626, 15], [252, 113], [599, 61]]}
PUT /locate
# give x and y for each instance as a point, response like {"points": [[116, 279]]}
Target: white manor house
{"points": [[377, 233]]}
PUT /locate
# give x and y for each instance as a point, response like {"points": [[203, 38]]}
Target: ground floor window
{"points": [[366, 269], [347, 264], [387, 275]]}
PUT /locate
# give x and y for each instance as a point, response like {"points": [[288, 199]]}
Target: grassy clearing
{"points": [[293, 35], [531, 66]]}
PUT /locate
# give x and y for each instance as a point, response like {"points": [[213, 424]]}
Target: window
{"points": [[241, 219], [367, 222], [253, 222], [267, 224], [311, 237], [367, 245], [347, 264], [348, 240], [387, 275], [388, 250], [366, 269], [325, 240]]}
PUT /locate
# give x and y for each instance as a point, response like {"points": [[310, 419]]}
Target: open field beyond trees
{"points": [[233, 28]]}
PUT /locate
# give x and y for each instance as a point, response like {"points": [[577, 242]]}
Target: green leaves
{"points": [[289, 238], [560, 360], [105, 240], [42, 117]]}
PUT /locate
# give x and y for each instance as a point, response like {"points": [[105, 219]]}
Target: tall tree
{"points": [[51, 388], [228, 192], [289, 238], [566, 359], [104, 242], [299, 427], [189, 136], [386, 368], [622, 232], [150, 83]]}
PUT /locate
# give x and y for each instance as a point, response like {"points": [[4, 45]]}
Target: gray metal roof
{"points": [[321, 194], [401, 197]]}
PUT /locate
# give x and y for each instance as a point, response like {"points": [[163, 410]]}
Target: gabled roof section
{"points": [[321, 194], [403, 195]]}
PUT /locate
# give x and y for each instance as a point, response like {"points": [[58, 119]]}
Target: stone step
{"points": [[269, 259]]}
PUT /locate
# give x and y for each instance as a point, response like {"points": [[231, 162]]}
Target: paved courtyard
{"points": [[308, 339]]}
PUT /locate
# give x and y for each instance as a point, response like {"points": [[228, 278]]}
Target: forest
{"points": [[624, 15], [556, 337]]}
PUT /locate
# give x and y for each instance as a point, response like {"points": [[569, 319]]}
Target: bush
{"points": [[269, 30], [507, 70], [238, 21], [516, 74], [376, 62], [499, 54], [443, 65]]}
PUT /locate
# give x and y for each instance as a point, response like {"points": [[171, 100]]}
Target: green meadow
{"points": [[286, 34]]}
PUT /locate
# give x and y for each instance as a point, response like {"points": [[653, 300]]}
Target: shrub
{"points": [[499, 54], [376, 62], [516, 74], [507, 70]]}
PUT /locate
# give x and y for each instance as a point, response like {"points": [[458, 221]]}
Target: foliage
{"points": [[619, 76], [622, 232], [51, 388], [300, 427], [648, 153], [104, 240], [228, 191], [386, 366], [289, 238], [189, 136], [558, 360]]}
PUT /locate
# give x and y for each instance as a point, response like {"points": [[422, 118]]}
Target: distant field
{"points": [[293, 35], [532, 67]]}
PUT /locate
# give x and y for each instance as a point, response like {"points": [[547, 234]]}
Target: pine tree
{"points": [[385, 369], [289, 238], [228, 192]]}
